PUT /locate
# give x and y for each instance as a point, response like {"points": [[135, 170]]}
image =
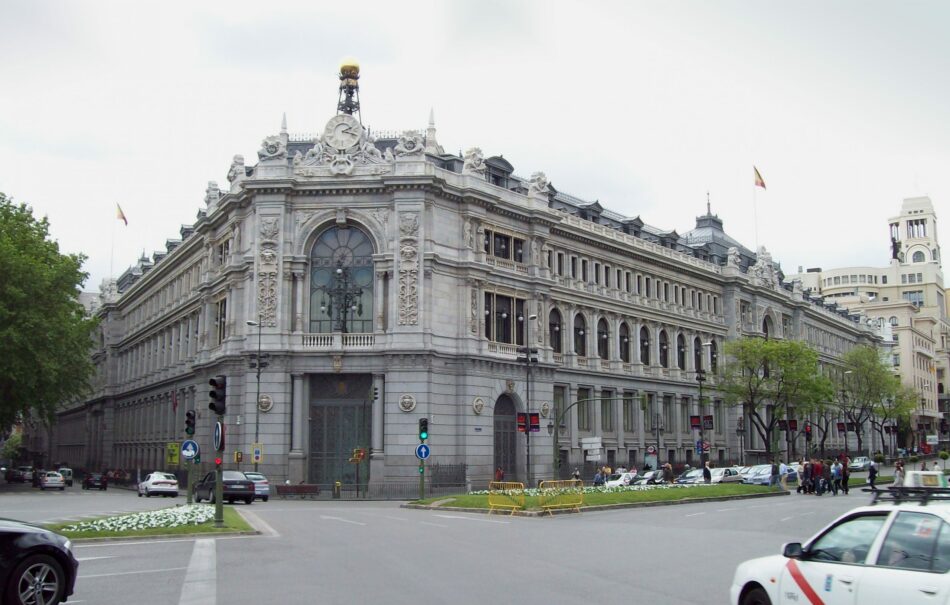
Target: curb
{"points": [[603, 507]]}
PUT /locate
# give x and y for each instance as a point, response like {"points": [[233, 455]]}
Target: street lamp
{"points": [[528, 353], [257, 363], [345, 297], [740, 433], [701, 378]]}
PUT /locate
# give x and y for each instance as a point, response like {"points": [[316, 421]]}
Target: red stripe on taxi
{"points": [[799, 578]]}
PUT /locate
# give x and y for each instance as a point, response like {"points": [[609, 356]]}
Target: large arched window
{"points": [[580, 335], [681, 352], [664, 349], [341, 281], [624, 339], [603, 339], [697, 354], [554, 330], [919, 257], [767, 327], [644, 346]]}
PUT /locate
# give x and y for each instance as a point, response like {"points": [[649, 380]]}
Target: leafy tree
{"points": [[11, 447], [894, 408], [770, 377], [44, 333], [867, 384]]}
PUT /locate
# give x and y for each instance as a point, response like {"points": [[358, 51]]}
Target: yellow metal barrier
{"points": [[505, 494], [561, 494]]}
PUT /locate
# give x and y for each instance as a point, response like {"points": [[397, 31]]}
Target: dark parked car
{"points": [[235, 486], [95, 480], [36, 565]]}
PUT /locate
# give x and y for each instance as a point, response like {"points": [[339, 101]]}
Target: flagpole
{"points": [[112, 251], [755, 217]]}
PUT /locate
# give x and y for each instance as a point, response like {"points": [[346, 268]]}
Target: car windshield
{"points": [[614, 477], [233, 476], [255, 476]]}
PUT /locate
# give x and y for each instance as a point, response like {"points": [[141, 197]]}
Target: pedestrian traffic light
{"points": [[423, 429], [522, 422], [217, 461], [218, 394], [196, 459], [190, 422], [808, 432]]}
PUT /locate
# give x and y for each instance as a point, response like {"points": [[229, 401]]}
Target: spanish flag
{"points": [[758, 178], [121, 215]]}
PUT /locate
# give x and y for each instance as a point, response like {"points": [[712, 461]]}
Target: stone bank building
{"points": [[387, 281]]}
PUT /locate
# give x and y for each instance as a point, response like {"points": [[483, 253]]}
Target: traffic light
{"points": [[217, 462], [375, 393], [218, 394], [808, 432], [190, 422], [522, 422], [423, 429], [534, 422], [944, 427]]}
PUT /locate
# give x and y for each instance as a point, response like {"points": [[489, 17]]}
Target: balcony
{"points": [[337, 341]]}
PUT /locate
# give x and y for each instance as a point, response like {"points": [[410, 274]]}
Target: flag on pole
{"points": [[121, 215], [175, 402], [758, 178]]}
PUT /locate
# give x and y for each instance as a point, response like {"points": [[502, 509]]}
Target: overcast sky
{"points": [[644, 106]]}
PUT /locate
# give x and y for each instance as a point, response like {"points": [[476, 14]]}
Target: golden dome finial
{"points": [[350, 68]]}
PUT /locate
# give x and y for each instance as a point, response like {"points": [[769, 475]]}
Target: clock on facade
{"points": [[342, 132]]}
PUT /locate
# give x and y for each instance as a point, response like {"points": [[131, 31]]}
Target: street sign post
{"points": [[257, 453], [171, 453]]}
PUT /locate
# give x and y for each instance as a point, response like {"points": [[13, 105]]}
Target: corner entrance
{"points": [[340, 412]]}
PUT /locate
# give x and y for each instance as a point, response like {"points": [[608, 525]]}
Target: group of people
{"points": [[819, 477]]}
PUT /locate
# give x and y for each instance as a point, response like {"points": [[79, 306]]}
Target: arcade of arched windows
{"points": [[629, 341]]}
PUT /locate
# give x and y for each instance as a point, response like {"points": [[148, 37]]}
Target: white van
{"points": [[67, 474]]}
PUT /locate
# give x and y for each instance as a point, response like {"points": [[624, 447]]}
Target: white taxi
{"points": [[162, 484], [897, 550]]}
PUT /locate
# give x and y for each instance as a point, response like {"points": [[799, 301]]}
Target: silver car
{"points": [[261, 485]]}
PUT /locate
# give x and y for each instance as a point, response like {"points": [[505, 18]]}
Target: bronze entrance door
{"points": [[340, 411], [506, 437]]}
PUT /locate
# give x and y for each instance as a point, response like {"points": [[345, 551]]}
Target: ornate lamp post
{"points": [[346, 298], [740, 433], [530, 357], [258, 363]]}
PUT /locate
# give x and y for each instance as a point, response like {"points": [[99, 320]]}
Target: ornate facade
{"points": [[390, 281]]}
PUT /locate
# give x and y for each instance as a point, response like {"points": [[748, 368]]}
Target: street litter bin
{"points": [[337, 487]]}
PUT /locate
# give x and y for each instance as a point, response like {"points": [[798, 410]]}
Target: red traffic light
{"points": [[522, 422], [217, 461]]}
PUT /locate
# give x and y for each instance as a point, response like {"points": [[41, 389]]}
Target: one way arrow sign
{"points": [[422, 451]]}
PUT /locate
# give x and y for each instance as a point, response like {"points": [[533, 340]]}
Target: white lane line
{"points": [[129, 573], [394, 518], [784, 519], [81, 559], [432, 524], [132, 543], [341, 520], [723, 510], [263, 526], [695, 514], [473, 519], [201, 579]]}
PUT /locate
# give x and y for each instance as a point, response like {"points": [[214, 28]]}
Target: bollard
{"points": [[336, 489]]}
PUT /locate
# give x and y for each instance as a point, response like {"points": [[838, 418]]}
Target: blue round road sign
{"points": [[189, 449], [422, 451]]}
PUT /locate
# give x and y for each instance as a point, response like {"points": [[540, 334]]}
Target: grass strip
{"points": [[613, 496], [233, 522]]}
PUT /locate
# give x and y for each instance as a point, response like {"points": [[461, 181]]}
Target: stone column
{"points": [[299, 298], [296, 467]]}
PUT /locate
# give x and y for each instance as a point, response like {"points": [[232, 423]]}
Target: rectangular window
{"points": [[719, 415], [607, 276], [648, 293], [583, 409], [559, 397], [837, 280], [221, 320], [560, 263], [666, 292], [518, 250], [584, 271], [606, 411], [629, 412], [573, 267], [915, 296], [596, 273], [883, 279], [668, 413], [684, 414], [626, 283], [639, 284]]}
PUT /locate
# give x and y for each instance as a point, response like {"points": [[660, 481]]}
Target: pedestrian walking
{"points": [[783, 475], [499, 474], [707, 474], [598, 478], [898, 474], [773, 479], [845, 474], [576, 474], [936, 466], [836, 477], [872, 474], [804, 482], [668, 473], [817, 473]]}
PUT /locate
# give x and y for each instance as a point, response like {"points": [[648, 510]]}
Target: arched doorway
{"points": [[505, 436]]}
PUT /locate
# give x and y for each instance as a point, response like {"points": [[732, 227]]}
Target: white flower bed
{"points": [[192, 514], [589, 489]]}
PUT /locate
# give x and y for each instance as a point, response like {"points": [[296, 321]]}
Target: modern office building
{"points": [[382, 280], [909, 294]]}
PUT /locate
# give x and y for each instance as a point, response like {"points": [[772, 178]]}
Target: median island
{"points": [[179, 520], [593, 497]]}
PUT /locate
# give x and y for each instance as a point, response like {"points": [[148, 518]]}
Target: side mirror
{"points": [[792, 550]]}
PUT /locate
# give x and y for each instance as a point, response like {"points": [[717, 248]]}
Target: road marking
{"points": [[258, 523], [473, 519], [723, 510], [81, 559], [201, 579], [341, 520], [784, 519], [129, 573], [695, 514], [432, 524]]}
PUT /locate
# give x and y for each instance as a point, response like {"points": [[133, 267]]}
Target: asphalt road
{"points": [[376, 552]]}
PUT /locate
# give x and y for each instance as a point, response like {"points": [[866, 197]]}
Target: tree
{"points": [[894, 408], [770, 377], [11, 447], [44, 333], [867, 384]]}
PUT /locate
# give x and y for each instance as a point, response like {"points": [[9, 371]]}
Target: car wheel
{"points": [[264, 498], [148, 494], [756, 596], [140, 494], [38, 579], [249, 500], [62, 489], [211, 497], [174, 494], [42, 489], [197, 497]]}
